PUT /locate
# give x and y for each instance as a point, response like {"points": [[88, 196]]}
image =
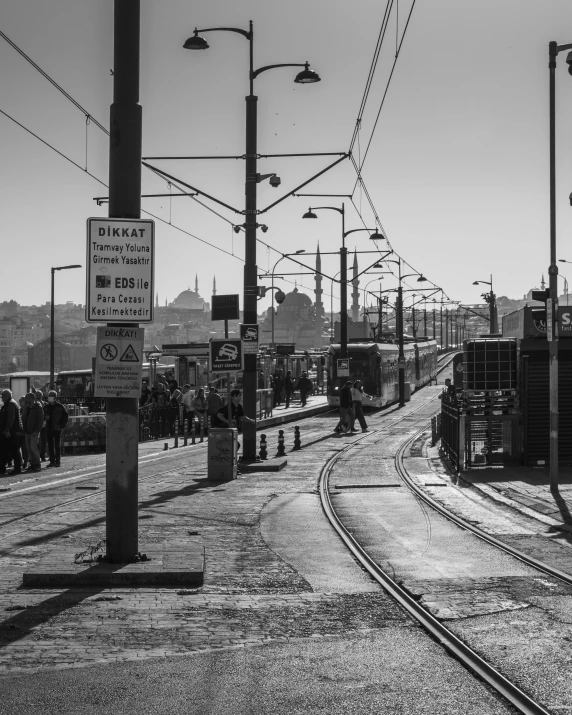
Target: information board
{"points": [[119, 362], [186, 349], [249, 337], [343, 367], [226, 355], [225, 307], [120, 270]]}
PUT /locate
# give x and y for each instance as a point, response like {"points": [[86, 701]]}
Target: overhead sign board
{"points": [[249, 337], [186, 349], [119, 361], [285, 348], [225, 307], [343, 367], [120, 270], [226, 355]]}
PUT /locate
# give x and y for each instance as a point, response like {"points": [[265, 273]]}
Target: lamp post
{"points": [[552, 304], [562, 260], [53, 321], [306, 76], [490, 299], [375, 236]]}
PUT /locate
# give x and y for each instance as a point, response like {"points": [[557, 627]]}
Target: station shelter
{"points": [[191, 363]]}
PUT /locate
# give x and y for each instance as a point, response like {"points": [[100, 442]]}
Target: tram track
{"points": [[435, 628]]}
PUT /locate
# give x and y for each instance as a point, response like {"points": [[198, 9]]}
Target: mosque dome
{"points": [[295, 299], [189, 299]]}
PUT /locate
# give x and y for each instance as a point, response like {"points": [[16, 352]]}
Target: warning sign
{"points": [[129, 355], [119, 361]]}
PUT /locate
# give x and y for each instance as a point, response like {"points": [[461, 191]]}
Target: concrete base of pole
{"points": [[169, 564]]}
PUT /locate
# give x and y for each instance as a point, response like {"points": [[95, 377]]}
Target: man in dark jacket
{"points": [[43, 436], [346, 422], [56, 417], [10, 433], [32, 421], [305, 386]]}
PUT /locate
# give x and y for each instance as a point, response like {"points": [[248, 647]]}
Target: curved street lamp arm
{"points": [[244, 33], [254, 74], [353, 230], [332, 208]]}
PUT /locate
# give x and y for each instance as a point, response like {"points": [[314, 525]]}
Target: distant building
{"points": [[66, 356], [191, 300]]}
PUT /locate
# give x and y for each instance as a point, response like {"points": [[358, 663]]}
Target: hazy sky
{"points": [[458, 166]]}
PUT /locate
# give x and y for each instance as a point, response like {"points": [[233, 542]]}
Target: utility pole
{"points": [[124, 202]]}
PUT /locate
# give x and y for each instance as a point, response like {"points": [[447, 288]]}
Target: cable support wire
{"points": [[386, 90], [372, 68]]}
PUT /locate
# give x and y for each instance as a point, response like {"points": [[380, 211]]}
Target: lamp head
{"points": [[475, 283], [301, 250], [196, 43], [569, 62], [307, 76], [309, 214], [236, 228], [377, 236], [421, 279]]}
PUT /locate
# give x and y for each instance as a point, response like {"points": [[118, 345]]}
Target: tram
{"points": [[80, 383], [376, 365]]}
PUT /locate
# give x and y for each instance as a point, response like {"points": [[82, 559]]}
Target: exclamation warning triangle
{"points": [[129, 355]]}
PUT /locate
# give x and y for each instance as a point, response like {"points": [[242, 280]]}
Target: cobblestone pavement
{"points": [[250, 596]]}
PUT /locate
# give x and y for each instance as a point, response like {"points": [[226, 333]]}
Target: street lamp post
{"points": [[306, 76], [491, 300], [343, 269], [53, 322], [552, 304]]}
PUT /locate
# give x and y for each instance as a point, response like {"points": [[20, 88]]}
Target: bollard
{"points": [[281, 451], [263, 454], [186, 432], [202, 431], [165, 446], [176, 434], [193, 430], [297, 443]]}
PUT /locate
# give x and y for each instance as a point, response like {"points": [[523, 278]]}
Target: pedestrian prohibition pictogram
{"points": [[129, 355], [108, 352]]}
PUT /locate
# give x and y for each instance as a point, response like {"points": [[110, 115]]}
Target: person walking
{"points": [[187, 404], [43, 436], [174, 401], [357, 404], [56, 417], [278, 385], [305, 386], [288, 388], [23, 447], [32, 421], [214, 403], [200, 405], [346, 423], [10, 434]]}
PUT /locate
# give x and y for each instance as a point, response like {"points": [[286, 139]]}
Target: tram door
{"points": [[186, 371]]}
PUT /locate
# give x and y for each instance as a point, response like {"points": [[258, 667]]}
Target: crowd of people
{"points": [[203, 407], [284, 386], [28, 429]]}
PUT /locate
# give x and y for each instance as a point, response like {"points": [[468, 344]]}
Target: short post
{"points": [[176, 434], [297, 443], [281, 451], [202, 431], [193, 429], [263, 454], [185, 431], [165, 446]]}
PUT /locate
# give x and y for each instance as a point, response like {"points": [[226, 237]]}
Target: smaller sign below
{"points": [[225, 307], [226, 355], [119, 362], [249, 337], [188, 349], [343, 367]]}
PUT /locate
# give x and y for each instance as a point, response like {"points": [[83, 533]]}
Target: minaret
{"points": [[355, 291], [318, 306], [196, 283], [214, 285], [157, 300], [542, 283]]}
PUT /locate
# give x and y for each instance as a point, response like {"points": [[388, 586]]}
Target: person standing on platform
{"points": [[187, 404], [43, 436], [56, 419], [357, 404], [305, 386], [214, 403], [288, 388], [33, 421], [200, 405], [10, 434], [23, 445], [237, 412], [278, 385]]}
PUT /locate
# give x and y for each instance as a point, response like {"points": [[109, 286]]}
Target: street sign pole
{"points": [[228, 401], [124, 202]]}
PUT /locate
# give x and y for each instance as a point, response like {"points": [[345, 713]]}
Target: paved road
{"points": [[286, 620]]}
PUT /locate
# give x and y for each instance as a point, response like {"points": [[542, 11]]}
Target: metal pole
{"points": [[425, 319], [250, 270], [434, 333], [124, 202], [441, 325], [552, 304], [413, 325], [52, 336], [272, 306], [228, 398], [446, 328], [401, 354], [332, 312], [344, 291]]}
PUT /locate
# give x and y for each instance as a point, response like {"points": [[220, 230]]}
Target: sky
{"points": [[457, 168]]}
